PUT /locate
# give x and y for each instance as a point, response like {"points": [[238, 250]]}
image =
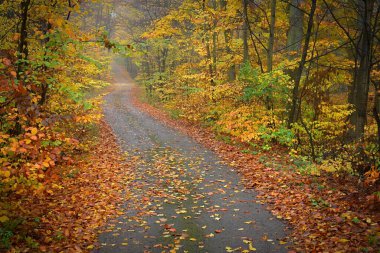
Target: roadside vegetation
{"points": [[295, 75]]}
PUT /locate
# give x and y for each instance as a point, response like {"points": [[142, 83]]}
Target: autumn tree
{"points": [[270, 71], [47, 67]]}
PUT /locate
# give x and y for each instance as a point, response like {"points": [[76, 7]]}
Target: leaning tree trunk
{"points": [[293, 115]]}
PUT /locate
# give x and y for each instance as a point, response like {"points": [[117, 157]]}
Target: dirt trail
{"points": [[183, 197]]}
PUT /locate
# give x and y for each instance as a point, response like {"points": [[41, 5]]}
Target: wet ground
{"points": [[183, 198]]}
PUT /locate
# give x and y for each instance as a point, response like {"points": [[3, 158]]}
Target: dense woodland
{"points": [[302, 74], [294, 77], [50, 68]]}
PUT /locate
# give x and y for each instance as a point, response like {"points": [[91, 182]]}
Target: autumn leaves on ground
{"points": [[282, 95]]}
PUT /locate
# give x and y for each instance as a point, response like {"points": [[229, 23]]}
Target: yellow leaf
{"points": [[34, 131], [57, 186], [4, 219], [229, 249], [250, 247], [20, 191], [90, 247], [343, 240], [6, 173], [59, 21]]}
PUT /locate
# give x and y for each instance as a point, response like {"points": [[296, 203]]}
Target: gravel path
{"points": [[183, 198]]}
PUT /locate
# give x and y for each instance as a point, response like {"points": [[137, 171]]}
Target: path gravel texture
{"points": [[183, 197]]}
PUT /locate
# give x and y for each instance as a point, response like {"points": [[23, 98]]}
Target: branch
{"points": [[340, 25], [261, 9], [250, 30], [68, 14], [323, 54]]}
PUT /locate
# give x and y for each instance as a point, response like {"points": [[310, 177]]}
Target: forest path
{"points": [[183, 198]]}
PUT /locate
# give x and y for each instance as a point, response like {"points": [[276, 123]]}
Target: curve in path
{"points": [[183, 197]]}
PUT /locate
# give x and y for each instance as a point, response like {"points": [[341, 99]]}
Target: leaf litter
{"points": [[71, 211]]}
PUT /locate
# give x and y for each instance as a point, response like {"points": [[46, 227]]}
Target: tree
{"points": [[363, 46], [363, 64], [271, 35], [293, 75], [294, 111], [245, 31], [295, 31]]}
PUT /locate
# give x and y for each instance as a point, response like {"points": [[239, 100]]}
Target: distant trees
{"points": [[312, 65]]}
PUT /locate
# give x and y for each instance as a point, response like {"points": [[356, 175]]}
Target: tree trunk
{"points": [[214, 50], [376, 110], [22, 53], [231, 68], [165, 52], [227, 39], [358, 96], [295, 32], [271, 35], [269, 97], [206, 41], [245, 31], [293, 115]]}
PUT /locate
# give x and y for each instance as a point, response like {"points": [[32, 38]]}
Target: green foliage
{"points": [[7, 231], [319, 203], [281, 135], [5, 237], [274, 85], [31, 243]]}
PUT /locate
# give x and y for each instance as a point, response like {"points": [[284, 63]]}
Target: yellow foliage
{"points": [[333, 120]]}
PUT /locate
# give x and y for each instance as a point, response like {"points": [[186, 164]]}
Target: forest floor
{"points": [[77, 200], [187, 194]]}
